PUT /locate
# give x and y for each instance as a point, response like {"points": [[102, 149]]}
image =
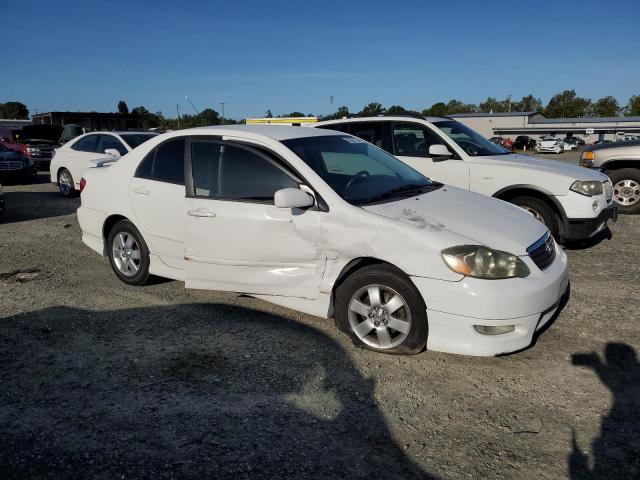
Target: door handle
{"points": [[141, 191], [201, 213]]}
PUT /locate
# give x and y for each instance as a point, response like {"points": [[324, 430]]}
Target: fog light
{"points": [[494, 330], [594, 205]]}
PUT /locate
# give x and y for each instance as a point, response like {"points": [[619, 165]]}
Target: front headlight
{"points": [[589, 188], [482, 262]]}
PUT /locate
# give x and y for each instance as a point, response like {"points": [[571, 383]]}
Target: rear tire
{"points": [[380, 309], [128, 253], [541, 211], [626, 190], [66, 184]]}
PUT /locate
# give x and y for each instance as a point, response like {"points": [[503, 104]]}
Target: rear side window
{"points": [[413, 140], [340, 127], [86, 144], [165, 163]]}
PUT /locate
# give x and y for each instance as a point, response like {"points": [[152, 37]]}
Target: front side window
{"points": [[358, 171], [86, 144], [109, 141], [474, 144], [371, 132], [411, 140], [227, 172]]}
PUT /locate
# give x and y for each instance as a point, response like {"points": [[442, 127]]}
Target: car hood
{"points": [[555, 167], [479, 219]]}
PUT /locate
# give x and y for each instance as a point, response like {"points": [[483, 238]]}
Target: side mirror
{"points": [[113, 152], [439, 152], [292, 198]]}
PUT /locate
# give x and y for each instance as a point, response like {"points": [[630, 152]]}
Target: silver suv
{"points": [[620, 161]]}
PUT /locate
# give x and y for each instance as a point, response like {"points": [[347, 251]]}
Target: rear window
{"points": [[136, 139]]}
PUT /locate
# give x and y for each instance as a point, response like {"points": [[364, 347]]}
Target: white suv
{"points": [[573, 203], [71, 160]]}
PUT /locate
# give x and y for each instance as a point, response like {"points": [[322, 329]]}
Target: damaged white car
{"points": [[330, 225]]}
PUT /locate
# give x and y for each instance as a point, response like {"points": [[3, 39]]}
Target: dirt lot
{"points": [[103, 380]]}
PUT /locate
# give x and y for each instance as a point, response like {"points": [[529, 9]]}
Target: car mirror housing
{"points": [[439, 151], [292, 198], [113, 152]]}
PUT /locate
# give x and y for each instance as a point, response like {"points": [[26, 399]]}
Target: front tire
{"points": [[128, 253], [541, 211], [626, 189], [381, 310], [66, 184]]}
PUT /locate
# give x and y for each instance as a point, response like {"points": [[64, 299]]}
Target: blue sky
{"points": [[293, 55]]}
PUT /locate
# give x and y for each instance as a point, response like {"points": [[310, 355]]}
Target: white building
{"points": [[534, 124]]}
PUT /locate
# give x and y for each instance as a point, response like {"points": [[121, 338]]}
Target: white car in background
{"points": [[70, 161], [550, 145], [327, 224], [573, 204]]}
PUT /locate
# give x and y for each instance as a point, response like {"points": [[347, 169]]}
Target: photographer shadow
{"points": [[615, 453]]}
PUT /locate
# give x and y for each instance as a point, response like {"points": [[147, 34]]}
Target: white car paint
{"points": [[293, 257], [495, 175], [550, 144], [77, 162]]}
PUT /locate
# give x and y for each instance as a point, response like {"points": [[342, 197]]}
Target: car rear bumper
{"points": [[583, 228], [455, 309]]}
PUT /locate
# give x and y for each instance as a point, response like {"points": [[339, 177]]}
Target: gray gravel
{"points": [[103, 380]]}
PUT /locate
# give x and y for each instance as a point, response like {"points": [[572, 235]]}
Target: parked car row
{"points": [[36, 142], [544, 144]]}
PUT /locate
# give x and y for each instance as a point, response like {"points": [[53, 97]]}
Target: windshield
{"points": [[358, 171], [474, 144], [136, 139]]}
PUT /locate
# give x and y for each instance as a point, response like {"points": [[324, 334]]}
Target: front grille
{"points": [[543, 252], [10, 165]]}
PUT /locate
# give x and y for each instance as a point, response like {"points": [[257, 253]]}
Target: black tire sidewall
{"points": [[625, 174], [72, 192], [551, 218], [395, 279], [142, 276]]}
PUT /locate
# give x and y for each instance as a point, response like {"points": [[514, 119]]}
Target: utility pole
{"points": [[178, 113], [222, 105], [509, 97]]}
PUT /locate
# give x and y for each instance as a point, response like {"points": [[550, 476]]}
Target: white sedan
{"points": [[71, 160], [330, 225]]}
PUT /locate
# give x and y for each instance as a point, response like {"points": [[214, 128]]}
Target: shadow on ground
{"points": [[194, 390], [615, 453], [24, 206]]}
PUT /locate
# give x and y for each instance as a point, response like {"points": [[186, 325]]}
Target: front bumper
{"points": [[527, 304], [18, 173], [583, 228]]}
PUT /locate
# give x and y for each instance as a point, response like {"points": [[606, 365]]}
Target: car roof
{"points": [[276, 132], [381, 118]]}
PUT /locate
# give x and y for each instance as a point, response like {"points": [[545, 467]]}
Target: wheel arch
{"points": [[108, 224], [618, 164], [513, 191], [350, 268]]}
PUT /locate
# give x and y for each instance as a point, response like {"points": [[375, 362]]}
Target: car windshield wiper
{"points": [[404, 190]]}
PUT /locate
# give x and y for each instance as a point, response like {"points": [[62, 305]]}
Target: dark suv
{"points": [[523, 141]]}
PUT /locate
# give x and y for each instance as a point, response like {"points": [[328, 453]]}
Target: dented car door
{"points": [[237, 239]]}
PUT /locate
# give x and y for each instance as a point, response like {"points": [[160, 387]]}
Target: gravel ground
{"points": [[103, 380]]}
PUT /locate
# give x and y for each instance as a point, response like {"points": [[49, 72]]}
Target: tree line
{"points": [[566, 104]]}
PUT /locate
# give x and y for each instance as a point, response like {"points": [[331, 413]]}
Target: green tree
{"points": [[269, 114], [456, 106], [293, 114], [527, 104], [14, 111], [342, 112], [210, 117], [122, 108], [372, 110], [567, 104], [146, 119], [438, 109], [492, 104], [606, 107], [633, 106]]}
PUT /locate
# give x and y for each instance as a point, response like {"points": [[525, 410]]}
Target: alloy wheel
{"points": [[126, 254], [535, 213], [379, 316], [626, 192], [65, 183]]}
